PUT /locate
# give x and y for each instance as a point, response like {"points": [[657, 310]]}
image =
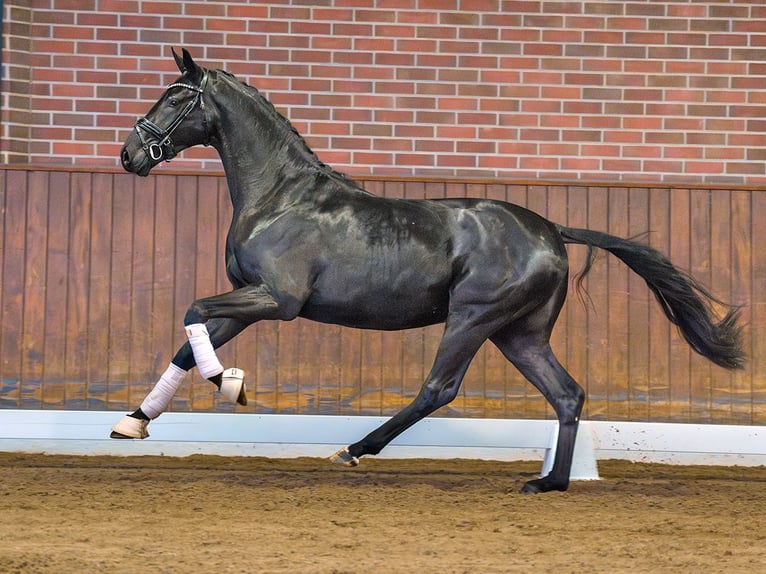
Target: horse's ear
{"points": [[186, 64], [179, 61], [190, 66]]}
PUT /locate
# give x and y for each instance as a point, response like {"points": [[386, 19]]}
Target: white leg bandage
{"points": [[158, 400], [204, 354]]}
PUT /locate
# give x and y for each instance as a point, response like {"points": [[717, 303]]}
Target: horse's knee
{"points": [[195, 314]]}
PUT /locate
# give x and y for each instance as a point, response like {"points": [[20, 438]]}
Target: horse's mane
{"points": [[290, 132]]}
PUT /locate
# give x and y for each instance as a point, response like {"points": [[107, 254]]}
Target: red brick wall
{"points": [[670, 91]]}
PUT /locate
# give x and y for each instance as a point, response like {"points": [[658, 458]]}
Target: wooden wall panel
{"points": [[77, 278], [618, 311], [98, 270], [639, 302], [36, 381], [98, 292], [742, 291], [758, 314]]}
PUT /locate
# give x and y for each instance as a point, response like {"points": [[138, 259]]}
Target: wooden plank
{"points": [[35, 287], [99, 291], [700, 269], [537, 199], [598, 317], [7, 391], [207, 254], [455, 190], [721, 285], [306, 363], [659, 326], [13, 201], [78, 271], [351, 371], [638, 311], [618, 350], [164, 330], [121, 275], [265, 383], [328, 359], [391, 372], [184, 271], [757, 325], [55, 311], [287, 366], [578, 304], [140, 365], [742, 289], [680, 354], [516, 194]]}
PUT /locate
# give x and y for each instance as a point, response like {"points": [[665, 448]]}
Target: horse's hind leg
{"points": [[536, 361], [456, 350]]}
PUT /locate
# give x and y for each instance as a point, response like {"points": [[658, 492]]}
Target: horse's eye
{"points": [[173, 102]]}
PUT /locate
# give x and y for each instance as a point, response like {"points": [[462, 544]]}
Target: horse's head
{"points": [[179, 114]]}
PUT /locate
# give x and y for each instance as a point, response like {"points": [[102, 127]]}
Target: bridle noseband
{"points": [[163, 148]]}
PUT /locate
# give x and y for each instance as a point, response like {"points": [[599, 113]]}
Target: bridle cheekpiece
{"points": [[163, 147]]}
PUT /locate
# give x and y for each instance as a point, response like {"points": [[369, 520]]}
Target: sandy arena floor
{"points": [[62, 514]]}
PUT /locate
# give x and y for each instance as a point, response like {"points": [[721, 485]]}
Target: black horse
{"points": [[306, 241]]}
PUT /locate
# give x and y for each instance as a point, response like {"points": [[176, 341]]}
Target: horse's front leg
{"points": [[209, 323]]}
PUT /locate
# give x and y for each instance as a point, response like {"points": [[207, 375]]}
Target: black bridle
{"points": [[163, 147]]}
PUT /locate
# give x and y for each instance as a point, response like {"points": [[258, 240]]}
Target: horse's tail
{"points": [[687, 304]]}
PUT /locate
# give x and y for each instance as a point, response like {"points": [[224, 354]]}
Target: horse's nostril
{"points": [[125, 158]]}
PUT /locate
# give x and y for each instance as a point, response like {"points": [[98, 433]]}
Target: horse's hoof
{"points": [[233, 386], [543, 485], [343, 457], [530, 489], [130, 427]]}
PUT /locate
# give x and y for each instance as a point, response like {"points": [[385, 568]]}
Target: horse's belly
{"points": [[378, 308]]}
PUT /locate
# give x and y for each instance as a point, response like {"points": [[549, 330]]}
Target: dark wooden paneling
{"points": [[98, 270], [12, 241]]}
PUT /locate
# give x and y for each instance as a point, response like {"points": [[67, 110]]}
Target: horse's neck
{"points": [[257, 160]]}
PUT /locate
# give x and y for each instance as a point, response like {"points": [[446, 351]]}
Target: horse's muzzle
{"points": [[135, 163], [125, 158]]}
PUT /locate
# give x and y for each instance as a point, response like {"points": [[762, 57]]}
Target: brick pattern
{"points": [[669, 91]]}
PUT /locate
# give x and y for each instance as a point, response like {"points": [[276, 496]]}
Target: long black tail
{"points": [[686, 303]]}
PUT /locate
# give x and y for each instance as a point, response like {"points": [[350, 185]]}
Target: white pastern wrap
{"points": [[204, 354], [129, 427], [231, 384], [158, 400]]}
